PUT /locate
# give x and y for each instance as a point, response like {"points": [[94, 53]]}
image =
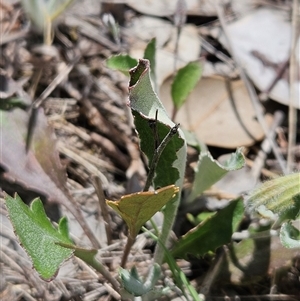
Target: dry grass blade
{"points": [[294, 87], [253, 96], [37, 103]]}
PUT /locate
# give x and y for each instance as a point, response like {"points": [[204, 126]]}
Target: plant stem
{"points": [[96, 181], [157, 153], [169, 218], [129, 244], [88, 256], [170, 210], [102, 270]]}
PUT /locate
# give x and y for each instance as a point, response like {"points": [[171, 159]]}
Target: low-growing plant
{"points": [[164, 144]]}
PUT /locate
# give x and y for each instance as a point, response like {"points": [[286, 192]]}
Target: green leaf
{"points": [[144, 104], [210, 171], [184, 82], [121, 62], [280, 196], [166, 172], [289, 236], [149, 54], [195, 220], [214, 232], [10, 103], [192, 140], [137, 208], [38, 236], [171, 165], [180, 278], [134, 285]]}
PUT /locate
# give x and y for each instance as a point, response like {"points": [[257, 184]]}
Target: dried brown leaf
{"points": [[40, 169]]}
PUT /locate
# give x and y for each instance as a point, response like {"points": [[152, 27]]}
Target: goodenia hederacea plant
{"points": [[48, 246], [38, 236], [170, 169], [137, 208]]}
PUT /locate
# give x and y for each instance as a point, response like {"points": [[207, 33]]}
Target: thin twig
{"points": [[294, 77], [265, 146], [37, 103], [179, 21], [219, 54], [96, 181], [252, 93], [157, 153], [265, 94], [56, 81]]}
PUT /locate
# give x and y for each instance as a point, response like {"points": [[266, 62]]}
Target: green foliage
{"points": [[184, 82], [214, 232], [38, 236], [280, 198], [137, 208], [144, 104], [121, 62], [180, 279], [210, 171], [279, 195], [149, 54], [134, 284], [49, 247], [289, 236], [10, 103]]}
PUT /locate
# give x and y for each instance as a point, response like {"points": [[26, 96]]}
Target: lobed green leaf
{"points": [[38, 236], [137, 208]]}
